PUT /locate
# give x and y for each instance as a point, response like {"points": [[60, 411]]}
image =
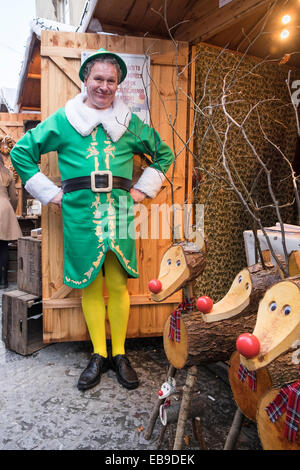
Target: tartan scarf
{"points": [[188, 306], [244, 372], [288, 399]]}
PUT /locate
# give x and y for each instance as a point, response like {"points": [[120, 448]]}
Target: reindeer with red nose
{"points": [[276, 333], [190, 338]]}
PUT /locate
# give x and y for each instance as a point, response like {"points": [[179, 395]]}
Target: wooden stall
{"points": [[170, 38], [15, 125]]}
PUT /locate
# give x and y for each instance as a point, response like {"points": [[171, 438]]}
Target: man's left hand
{"points": [[137, 195]]}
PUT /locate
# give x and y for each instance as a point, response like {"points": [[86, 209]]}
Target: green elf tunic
{"points": [[89, 140]]}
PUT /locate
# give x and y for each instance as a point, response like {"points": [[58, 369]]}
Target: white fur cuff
{"points": [[150, 182], [41, 188]]}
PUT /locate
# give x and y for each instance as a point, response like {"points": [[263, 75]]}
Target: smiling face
{"points": [[101, 85]]}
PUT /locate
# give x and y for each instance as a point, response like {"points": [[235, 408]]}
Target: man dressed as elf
{"points": [[95, 136]]}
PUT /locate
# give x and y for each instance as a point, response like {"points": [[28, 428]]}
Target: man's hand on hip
{"points": [[137, 195], [57, 199]]}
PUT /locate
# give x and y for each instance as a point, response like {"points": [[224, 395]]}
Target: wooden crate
{"points": [[29, 265], [12, 263], [22, 322]]}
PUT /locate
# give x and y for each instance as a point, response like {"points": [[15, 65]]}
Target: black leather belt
{"points": [[97, 181]]}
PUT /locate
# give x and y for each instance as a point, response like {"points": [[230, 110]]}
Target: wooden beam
{"points": [[135, 299], [35, 76], [12, 123], [168, 59], [31, 108], [58, 51], [62, 292], [68, 70], [130, 30], [204, 27], [8, 118], [73, 53], [4, 129]]}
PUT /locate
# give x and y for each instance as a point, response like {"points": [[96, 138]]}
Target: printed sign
{"points": [[135, 89]]}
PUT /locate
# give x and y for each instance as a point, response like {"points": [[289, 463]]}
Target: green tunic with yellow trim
{"points": [[92, 222]]}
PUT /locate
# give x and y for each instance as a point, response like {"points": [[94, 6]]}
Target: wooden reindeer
{"points": [[237, 312], [276, 331], [180, 265], [201, 342], [246, 391]]}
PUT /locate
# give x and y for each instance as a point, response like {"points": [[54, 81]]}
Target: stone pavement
{"points": [[42, 409]]}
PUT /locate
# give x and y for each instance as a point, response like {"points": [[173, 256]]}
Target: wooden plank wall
{"points": [[12, 124], [63, 317]]}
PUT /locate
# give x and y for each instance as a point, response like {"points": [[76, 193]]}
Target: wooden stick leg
{"points": [[171, 437], [197, 429], [161, 437], [185, 406], [234, 430], [155, 411]]}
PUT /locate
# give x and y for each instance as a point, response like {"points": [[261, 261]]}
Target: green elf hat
{"points": [[103, 52]]}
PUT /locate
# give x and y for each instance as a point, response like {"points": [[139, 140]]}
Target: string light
{"points": [[286, 19], [284, 34]]}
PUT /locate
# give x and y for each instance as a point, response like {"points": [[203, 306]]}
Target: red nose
{"points": [[160, 393], [248, 345], [155, 286], [204, 304]]}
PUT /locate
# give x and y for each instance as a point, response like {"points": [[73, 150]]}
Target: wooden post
{"points": [[197, 429], [185, 406], [234, 430]]}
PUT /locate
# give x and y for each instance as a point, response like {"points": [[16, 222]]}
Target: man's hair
{"points": [[105, 59]]}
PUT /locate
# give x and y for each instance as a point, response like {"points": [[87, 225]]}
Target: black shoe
{"points": [[126, 375], [91, 375]]}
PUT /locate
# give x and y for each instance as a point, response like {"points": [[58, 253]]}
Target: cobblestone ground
{"points": [[41, 407]]}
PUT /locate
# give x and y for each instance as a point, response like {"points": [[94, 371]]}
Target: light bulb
{"points": [[284, 34], [286, 19]]}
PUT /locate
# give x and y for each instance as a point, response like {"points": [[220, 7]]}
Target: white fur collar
{"points": [[115, 120]]}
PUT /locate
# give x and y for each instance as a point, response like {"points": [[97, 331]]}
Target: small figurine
{"points": [[167, 389]]}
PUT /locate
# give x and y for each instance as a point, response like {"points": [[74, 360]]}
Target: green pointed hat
{"points": [[102, 52]]}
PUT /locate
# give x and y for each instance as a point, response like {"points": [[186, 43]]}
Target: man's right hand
{"points": [[57, 199]]}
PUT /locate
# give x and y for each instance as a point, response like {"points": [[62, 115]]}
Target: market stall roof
{"points": [[226, 23], [28, 96], [233, 24], [7, 99]]}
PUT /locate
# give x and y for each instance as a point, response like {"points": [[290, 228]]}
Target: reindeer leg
{"points": [[185, 406], [234, 430]]}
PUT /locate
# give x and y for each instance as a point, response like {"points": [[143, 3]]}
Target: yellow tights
{"points": [[117, 308]]}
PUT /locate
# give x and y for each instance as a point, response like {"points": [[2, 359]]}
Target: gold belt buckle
{"points": [[108, 188]]}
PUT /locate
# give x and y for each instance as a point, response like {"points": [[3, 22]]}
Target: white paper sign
{"points": [[223, 2], [135, 89]]}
